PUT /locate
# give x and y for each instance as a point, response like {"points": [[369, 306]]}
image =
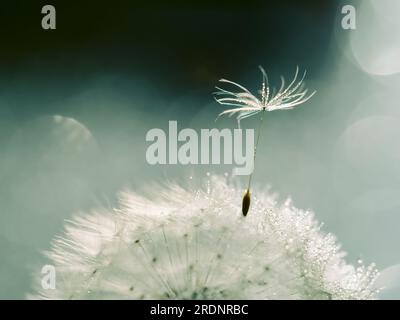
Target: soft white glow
{"points": [[374, 43]]}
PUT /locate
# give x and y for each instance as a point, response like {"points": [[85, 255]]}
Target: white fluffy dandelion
{"points": [[194, 243]]}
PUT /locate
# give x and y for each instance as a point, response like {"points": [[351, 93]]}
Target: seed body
{"points": [[246, 202]]}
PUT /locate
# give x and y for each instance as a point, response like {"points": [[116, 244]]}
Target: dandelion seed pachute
{"points": [[193, 243], [247, 104]]}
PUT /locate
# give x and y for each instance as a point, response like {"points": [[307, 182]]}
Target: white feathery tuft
{"points": [[194, 243], [245, 104]]}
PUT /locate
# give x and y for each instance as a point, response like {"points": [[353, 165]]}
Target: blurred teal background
{"points": [[77, 102]]}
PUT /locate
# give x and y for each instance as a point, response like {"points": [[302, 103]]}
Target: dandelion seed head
{"points": [[194, 243]]}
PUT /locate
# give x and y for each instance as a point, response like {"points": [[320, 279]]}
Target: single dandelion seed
{"points": [[246, 105]]}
